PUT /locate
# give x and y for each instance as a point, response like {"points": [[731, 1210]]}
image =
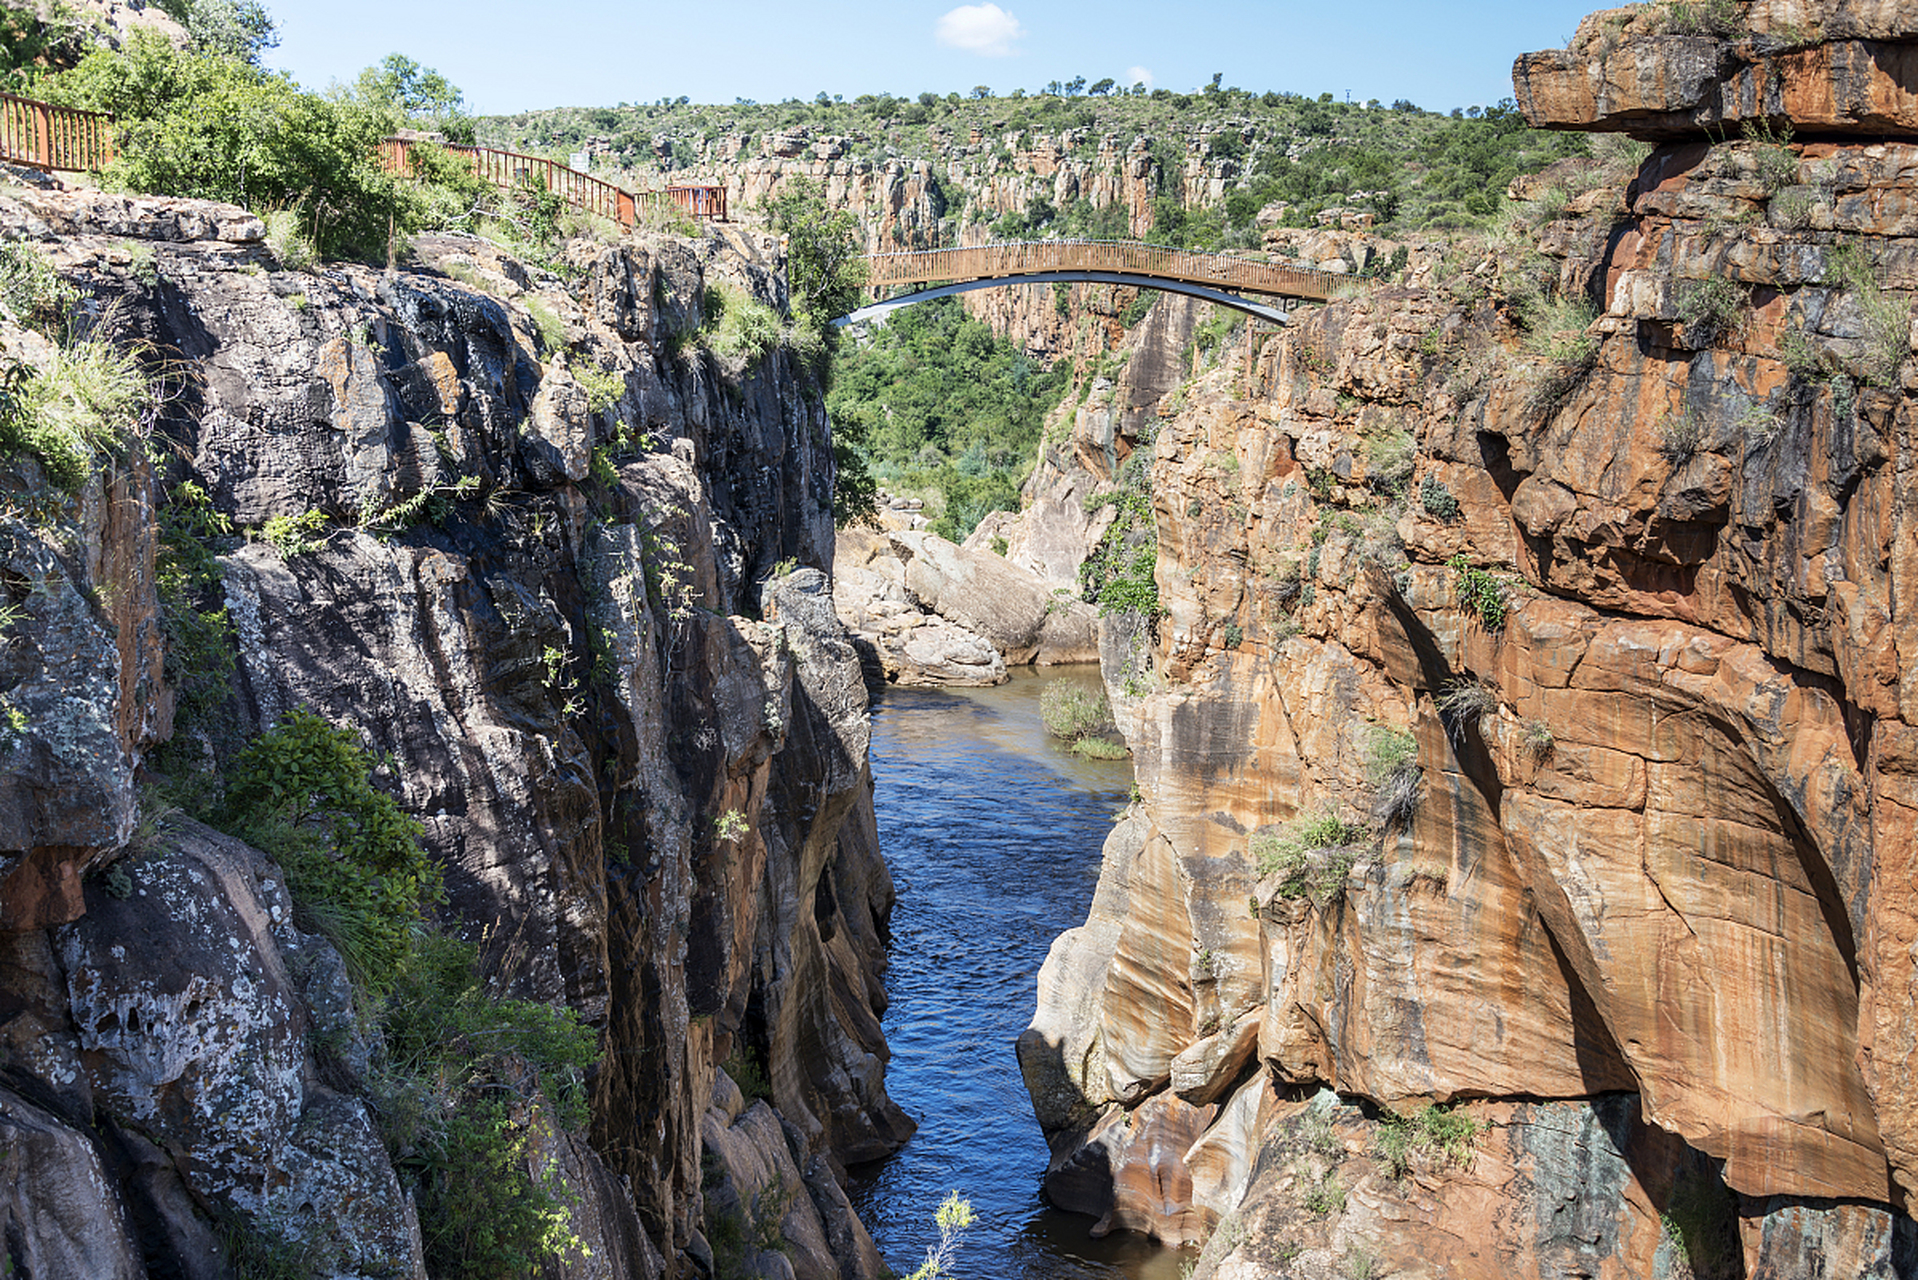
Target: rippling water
{"points": [[993, 833]]}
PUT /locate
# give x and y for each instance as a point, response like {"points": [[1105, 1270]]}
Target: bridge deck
{"points": [[1023, 258]]}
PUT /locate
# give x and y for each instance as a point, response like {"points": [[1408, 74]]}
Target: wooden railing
{"points": [[581, 190], [995, 261], [43, 136]]}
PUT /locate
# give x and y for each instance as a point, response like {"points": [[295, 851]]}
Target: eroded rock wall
{"points": [[538, 580], [1632, 607]]}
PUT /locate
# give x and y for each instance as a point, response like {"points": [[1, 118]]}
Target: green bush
{"points": [[1480, 592], [440, 1018], [1120, 573], [1562, 349], [1437, 499], [1312, 856], [823, 265], [31, 290], [1712, 310], [1887, 319], [1433, 1132], [604, 388], [219, 127], [484, 1213], [1392, 771], [294, 536], [302, 792], [742, 327]]}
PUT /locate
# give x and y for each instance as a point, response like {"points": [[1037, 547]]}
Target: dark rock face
{"points": [[542, 593]]}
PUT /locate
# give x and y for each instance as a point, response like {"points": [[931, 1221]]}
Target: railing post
{"points": [[43, 134]]}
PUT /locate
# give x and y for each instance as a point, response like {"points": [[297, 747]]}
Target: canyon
{"points": [[1518, 882]]}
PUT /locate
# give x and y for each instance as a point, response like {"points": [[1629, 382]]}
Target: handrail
{"points": [[511, 169], [41, 135], [1024, 257]]}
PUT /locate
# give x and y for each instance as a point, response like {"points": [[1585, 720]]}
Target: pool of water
{"points": [[992, 830]]}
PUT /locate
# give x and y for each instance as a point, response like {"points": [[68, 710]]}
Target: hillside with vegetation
{"points": [[1411, 168]]}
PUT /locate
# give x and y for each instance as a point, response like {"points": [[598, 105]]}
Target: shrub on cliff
{"points": [[465, 1078], [1392, 771], [219, 127], [1885, 318], [302, 792], [1712, 310], [1433, 1133], [458, 1096], [823, 265], [1311, 857], [89, 399], [1120, 575]]}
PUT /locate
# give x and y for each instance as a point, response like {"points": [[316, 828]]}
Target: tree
{"points": [[981, 91], [825, 275], [30, 42], [1102, 87], [1075, 86], [418, 95], [230, 28], [823, 267]]}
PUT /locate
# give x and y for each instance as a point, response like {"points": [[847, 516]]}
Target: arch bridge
{"points": [[1214, 277]]}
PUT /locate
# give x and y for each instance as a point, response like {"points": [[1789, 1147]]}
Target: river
{"points": [[993, 831]]}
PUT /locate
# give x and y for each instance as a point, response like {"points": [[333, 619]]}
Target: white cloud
{"points": [[980, 28], [1136, 75]]}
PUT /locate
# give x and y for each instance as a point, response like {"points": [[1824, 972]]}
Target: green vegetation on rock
{"points": [[302, 792], [943, 406], [1120, 575], [1432, 1132]]}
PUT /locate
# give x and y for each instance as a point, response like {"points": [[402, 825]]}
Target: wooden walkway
{"points": [[510, 169], [1116, 257], [40, 135]]}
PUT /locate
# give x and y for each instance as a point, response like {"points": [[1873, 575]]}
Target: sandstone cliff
{"points": [[1526, 738], [537, 572]]}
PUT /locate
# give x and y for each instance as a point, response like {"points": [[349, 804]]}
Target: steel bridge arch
{"points": [[878, 310]]}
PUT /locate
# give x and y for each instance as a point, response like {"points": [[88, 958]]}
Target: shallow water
{"points": [[992, 830]]}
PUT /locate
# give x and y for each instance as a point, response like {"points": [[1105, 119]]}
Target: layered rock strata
{"points": [[1526, 732], [535, 575]]}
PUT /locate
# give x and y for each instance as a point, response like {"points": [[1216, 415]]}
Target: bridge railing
{"points": [[43, 136], [1025, 257], [510, 169]]}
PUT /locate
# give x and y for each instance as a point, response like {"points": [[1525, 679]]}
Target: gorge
{"points": [[1516, 660]]}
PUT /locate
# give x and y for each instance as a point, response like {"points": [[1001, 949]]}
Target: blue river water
{"points": [[993, 831]]}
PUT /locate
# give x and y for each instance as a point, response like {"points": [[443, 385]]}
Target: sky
{"points": [[515, 55]]}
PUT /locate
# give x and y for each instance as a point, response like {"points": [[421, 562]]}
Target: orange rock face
{"points": [[1662, 71], [1534, 734]]}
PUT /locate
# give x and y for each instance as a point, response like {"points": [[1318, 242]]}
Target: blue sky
{"points": [[510, 55]]}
